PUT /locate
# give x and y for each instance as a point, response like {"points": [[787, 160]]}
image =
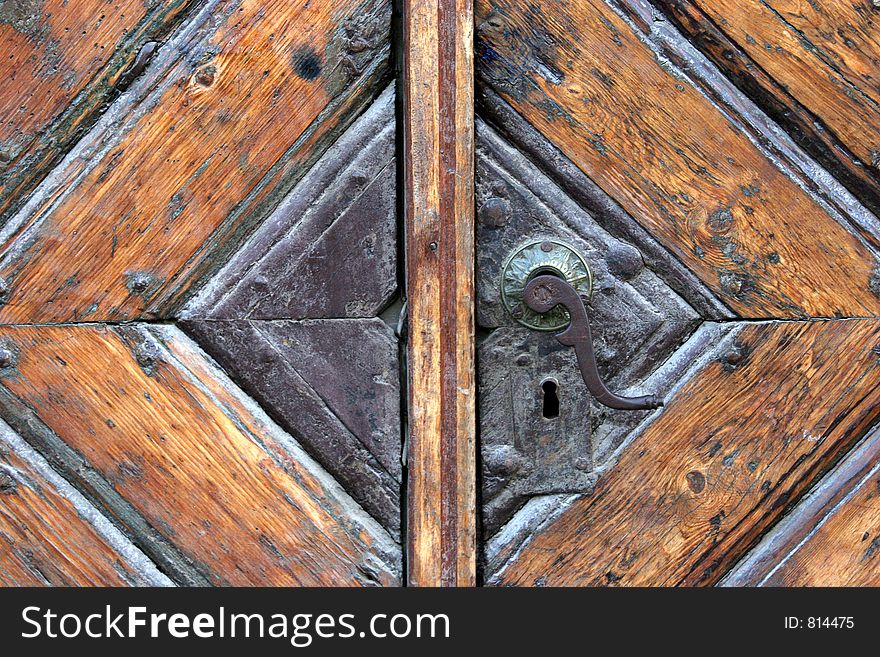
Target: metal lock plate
{"points": [[527, 447], [536, 258]]}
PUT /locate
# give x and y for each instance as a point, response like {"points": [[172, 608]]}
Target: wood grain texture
{"points": [[843, 551], [582, 76], [438, 134], [746, 435], [61, 61], [202, 465], [831, 537], [548, 161], [243, 104], [813, 66], [51, 536]]}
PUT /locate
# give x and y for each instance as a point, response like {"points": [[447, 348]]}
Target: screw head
{"points": [[147, 355], [205, 76], [495, 212], [582, 463], [624, 261], [502, 460], [6, 358], [139, 282]]}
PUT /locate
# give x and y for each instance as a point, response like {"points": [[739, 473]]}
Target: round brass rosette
{"points": [[536, 258]]}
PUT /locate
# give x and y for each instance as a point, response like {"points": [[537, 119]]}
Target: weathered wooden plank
{"points": [[746, 435], [62, 63], [338, 224], [243, 105], [544, 157], [844, 550], [438, 145], [334, 384], [813, 66], [830, 538], [201, 464], [582, 76], [670, 44], [696, 351], [50, 535]]}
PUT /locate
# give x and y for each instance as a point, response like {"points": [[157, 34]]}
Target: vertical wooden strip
{"points": [[438, 177]]}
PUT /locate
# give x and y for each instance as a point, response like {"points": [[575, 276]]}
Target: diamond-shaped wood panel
{"points": [[663, 157], [242, 182]]}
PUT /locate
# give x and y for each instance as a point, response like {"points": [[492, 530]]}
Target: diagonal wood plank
{"points": [[591, 84], [203, 466], [242, 105], [50, 535], [61, 63], [844, 550], [744, 436], [813, 65], [831, 538]]}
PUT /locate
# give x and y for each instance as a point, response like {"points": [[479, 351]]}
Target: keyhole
{"points": [[550, 407]]}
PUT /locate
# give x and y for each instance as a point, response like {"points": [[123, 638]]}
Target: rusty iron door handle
{"points": [[545, 292]]}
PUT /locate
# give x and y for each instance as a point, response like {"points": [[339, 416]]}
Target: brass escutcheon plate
{"points": [[542, 257]]}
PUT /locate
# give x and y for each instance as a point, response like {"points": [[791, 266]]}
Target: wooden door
{"points": [[716, 165], [248, 246], [199, 356]]}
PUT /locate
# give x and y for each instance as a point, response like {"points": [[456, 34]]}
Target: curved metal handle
{"points": [[544, 293]]}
